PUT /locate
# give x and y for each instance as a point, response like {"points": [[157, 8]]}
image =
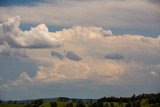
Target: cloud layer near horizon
{"points": [[80, 54]]}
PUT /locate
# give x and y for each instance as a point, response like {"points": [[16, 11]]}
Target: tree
{"points": [[93, 104], [80, 104], [69, 105], [138, 104], [152, 100], [63, 99], [133, 104], [38, 102], [133, 98], [111, 104], [90, 105], [53, 104], [144, 102], [99, 104], [128, 104], [28, 105], [120, 104], [106, 105]]}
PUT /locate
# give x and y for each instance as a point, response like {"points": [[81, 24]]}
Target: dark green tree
{"points": [[80, 104], [133, 98], [133, 104], [53, 104], [152, 99], [99, 104], [144, 102], [128, 104], [111, 104], [69, 105], [93, 104], [64, 99], [90, 105], [138, 104], [37, 103], [106, 105], [120, 104]]}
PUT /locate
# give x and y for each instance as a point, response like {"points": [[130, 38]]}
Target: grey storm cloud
{"points": [[57, 55], [68, 54], [114, 56], [72, 56]]}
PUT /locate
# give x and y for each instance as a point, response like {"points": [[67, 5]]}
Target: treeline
{"points": [[142, 100], [35, 103], [152, 98]]}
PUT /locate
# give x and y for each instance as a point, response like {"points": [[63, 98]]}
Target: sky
{"points": [[79, 48]]}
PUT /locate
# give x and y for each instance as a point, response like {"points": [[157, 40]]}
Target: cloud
{"points": [[38, 37], [68, 54], [72, 56], [154, 74], [114, 56], [20, 2], [42, 76], [71, 72], [7, 52], [55, 54], [80, 33], [154, 1], [22, 79], [91, 12], [24, 76], [81, 52], [46, 76]]}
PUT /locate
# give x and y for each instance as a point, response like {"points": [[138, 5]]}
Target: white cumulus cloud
{"points": [[38, 37]]}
